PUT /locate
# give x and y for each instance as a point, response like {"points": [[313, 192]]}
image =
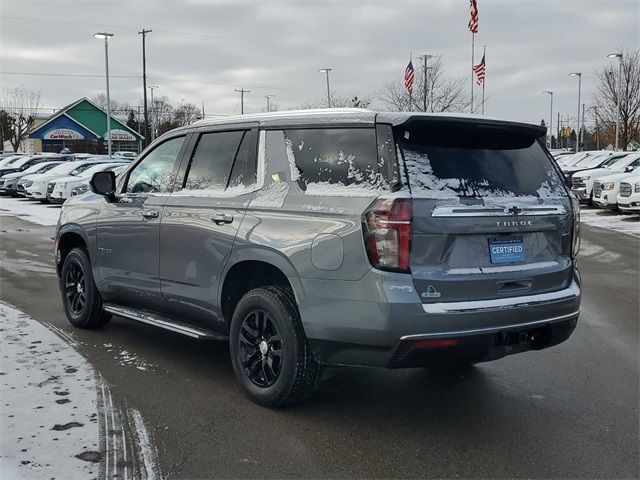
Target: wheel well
{"points": [[66, 243], [246, 276]]}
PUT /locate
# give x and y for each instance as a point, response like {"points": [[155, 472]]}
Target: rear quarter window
{"points": [[335, 157]]}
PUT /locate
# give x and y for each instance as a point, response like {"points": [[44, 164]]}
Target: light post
{"points": [[153, 109], [327, 70], [550, 116], [579, 75], [268, 97], [106, 37], [619, 57]]}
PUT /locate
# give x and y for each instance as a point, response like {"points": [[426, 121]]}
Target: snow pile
{"points": [[29, 210], [49, 417]]}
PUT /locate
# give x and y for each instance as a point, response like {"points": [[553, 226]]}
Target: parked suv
{"points": [[334, 237]]}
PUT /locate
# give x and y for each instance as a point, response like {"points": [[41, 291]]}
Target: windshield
{"points": [[617, 161], [98, 168], [591, 161], [36, 168], [449, 160], [64, 169]]}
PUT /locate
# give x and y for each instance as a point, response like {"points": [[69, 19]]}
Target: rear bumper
{"points": [[352, 328]]}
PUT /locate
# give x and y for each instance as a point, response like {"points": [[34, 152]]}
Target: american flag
{"points": [[409, 74], [479, 69], [473, 22]]}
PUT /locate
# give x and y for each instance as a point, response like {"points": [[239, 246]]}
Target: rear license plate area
{"points": [[506, 250]]}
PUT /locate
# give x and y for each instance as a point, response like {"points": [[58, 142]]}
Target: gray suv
{"points": [[335, 237]]}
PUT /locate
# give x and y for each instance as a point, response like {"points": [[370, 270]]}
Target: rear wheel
{"points": [[269, 350], [80, 297]]}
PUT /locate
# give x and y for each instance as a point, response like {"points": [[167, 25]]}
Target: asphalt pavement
{"points": [[570, 411]]}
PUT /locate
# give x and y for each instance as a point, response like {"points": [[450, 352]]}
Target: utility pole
{"points": [[595, 116], [550, 126], [558, 141], [268, 104], [619, 93], [242, 91], [144, 32], [425, 60]]}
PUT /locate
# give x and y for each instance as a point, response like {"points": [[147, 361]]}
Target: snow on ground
{"points": [[58, 418], [30, 210], [49, 420], [597, 217]]}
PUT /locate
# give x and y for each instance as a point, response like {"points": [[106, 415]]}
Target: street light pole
{"points": [[153, 108], [619, 57], [144, 32], [326, 71], [550, 129], [268, 97], [579, 75], [106, 37]]}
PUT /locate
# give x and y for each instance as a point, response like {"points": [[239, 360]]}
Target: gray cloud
{"points": [[202, 50]]}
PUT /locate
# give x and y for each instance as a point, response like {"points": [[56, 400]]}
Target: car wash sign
{"points": [[63, 134], [118, 135]]}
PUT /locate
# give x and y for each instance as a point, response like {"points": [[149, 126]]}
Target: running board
{"points": [[166, 323]]}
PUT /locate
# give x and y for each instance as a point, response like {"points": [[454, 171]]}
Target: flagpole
{"points": [[473, 41], [484, 80]]}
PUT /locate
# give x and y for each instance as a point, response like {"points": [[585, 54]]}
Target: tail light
{"points": [[387, 234], [575, 244]]}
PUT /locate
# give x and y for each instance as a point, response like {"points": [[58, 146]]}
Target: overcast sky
{"points": [[201, 50]]}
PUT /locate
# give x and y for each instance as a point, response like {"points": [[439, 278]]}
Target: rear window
{"points": [[336, 156], [453, 160]]}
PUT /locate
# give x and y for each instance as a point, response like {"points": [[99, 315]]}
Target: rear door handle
{"points": [[221, 218], [150, 213]]}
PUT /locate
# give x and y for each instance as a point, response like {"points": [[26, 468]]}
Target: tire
{"points": [[80, 298], [268, 378]]}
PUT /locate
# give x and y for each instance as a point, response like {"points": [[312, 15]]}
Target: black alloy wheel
{"points": [[260, 347], [74, 288], [81, 299]]}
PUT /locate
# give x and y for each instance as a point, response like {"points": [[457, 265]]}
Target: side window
{"points": [[244, 167], [212, 161], [346, 156], [153, 173]]}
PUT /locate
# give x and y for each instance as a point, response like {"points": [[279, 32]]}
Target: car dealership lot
{"points": [[570, 411]]}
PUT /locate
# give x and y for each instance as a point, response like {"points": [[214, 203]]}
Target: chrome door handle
{"points": [[221, 218], [150, 213]]}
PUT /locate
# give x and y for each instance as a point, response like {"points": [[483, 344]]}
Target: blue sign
{"points": [[506, 252]]}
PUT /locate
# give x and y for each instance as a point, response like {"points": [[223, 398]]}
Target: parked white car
{"points": [[582, 181], [606, 189], [60, 188], [38, 189], [9, 182], [83, 186], [629, 195]]}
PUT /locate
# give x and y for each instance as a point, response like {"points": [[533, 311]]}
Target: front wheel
{"points": [[269, 350], [80, 297]]}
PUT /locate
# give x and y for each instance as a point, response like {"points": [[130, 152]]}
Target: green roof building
{"points": [[82, 127]]}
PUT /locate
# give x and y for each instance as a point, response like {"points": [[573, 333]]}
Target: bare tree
{"points": [[444, 93], [186, 114], [117, 106], [338, 101], [605, 100], [21, 107]]}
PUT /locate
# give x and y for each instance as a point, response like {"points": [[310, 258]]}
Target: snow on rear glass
{"points": [[473, 166]]}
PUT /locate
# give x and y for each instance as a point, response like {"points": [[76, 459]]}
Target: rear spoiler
{"points": [[413, 119]]}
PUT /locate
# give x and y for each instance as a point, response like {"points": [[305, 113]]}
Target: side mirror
{"points": [[629, 168], [104, 183]]}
